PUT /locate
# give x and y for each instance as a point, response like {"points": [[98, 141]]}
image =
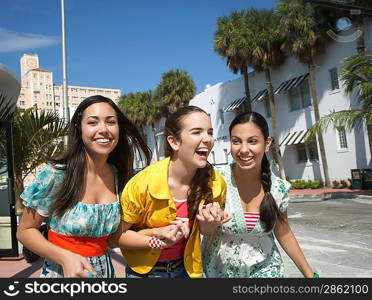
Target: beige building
{"points": [[38, 88]]}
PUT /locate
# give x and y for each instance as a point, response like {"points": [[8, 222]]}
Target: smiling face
{"points": [[248, 145], [99, 129], [196, 140]]}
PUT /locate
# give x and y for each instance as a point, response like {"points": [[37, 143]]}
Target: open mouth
{"points": [[102, 141], [203, 153], [246, 159]]}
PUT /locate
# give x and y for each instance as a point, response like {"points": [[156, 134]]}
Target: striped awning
{"points": [[293, 138], [290, 84], [260, 95], [235, 104]]}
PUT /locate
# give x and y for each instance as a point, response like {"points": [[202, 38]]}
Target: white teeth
{"points": [[245, 159], [202, 150], [102, 140]]}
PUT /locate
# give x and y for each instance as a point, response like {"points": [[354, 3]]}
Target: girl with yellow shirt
{"points": [[172, 201]]}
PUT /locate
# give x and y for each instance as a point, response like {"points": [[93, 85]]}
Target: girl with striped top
{"points": [[257, 201]]}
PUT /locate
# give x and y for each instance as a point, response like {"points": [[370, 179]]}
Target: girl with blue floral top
{"points": [[257, 201], [79, 193]]}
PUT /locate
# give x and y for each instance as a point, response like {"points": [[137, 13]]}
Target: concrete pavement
{"points": [[335, 234], [333, 227]]}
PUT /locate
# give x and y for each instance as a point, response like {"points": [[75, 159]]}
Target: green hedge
{"points": [[306, 184]]}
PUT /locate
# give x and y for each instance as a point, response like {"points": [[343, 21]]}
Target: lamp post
{"points": [[66, 111]]}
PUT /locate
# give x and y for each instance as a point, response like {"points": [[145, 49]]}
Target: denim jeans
{"points": [[179, 272]]}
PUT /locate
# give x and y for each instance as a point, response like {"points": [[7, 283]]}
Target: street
{"points": [[335, 236]]}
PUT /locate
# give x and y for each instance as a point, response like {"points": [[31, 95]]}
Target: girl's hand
{"points": [[211, 216], [76, 266], [170, 234], [184, 226]]}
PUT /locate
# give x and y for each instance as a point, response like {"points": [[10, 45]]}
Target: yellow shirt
{"points": [[146, 203]]}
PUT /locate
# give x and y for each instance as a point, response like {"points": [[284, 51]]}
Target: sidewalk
{"points": [[19, 268], [327, 193]]}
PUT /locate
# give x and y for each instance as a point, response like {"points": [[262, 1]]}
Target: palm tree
{"points": [[37, 137], [142, 108], [305, 39], [265, 39], [152, 112], [175, 89], [356, 74], [132, 107], [231, 42]]}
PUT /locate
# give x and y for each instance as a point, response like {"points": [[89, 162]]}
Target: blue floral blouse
{"points": [[82, 219]]}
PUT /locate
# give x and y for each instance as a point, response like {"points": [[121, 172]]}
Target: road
{"points": [[335, 236]]}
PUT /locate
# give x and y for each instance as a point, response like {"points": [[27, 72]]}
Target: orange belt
{"points": [[84, 246]]}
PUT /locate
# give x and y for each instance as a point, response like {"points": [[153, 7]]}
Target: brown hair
{"points": [[269, 212], [73, 162], [199, 188]]}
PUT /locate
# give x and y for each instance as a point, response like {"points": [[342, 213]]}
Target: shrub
{"points": [[343, 184], [316, 184], [306, 184], [335, 184]]}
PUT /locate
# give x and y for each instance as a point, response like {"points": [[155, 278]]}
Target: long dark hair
{"points": [[73, 161], [269, 212], [199, 188]]}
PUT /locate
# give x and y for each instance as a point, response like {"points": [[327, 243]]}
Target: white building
{"points": [[344, 150]]}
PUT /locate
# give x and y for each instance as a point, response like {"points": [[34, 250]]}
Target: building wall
{"points": [[357, 154], [38, 88]]}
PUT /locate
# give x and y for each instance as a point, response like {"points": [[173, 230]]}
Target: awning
{"points": [[294, 138], [259, 95], [235, 104], [290, 84]]}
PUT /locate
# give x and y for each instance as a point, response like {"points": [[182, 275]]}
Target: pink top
{"points": [[177, 250], [251, 218]]}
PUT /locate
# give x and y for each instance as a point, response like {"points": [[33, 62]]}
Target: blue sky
{"points": [[124, 44]]}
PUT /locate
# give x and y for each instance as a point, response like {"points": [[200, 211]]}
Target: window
{"points": [[221, 116], [226, 155], [307, 152], [300, 96], [213, 158], [334, 79], [301, 153], [313, 151], [57, 97], [342, 138]]}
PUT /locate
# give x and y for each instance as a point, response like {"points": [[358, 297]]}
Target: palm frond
{"points": [[347, 119]]}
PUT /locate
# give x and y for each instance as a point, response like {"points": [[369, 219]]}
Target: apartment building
{"points": [[39, 89]]}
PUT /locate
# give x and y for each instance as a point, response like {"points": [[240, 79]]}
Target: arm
{"points": [[288, 242], [126, 238], [28, 234]]}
